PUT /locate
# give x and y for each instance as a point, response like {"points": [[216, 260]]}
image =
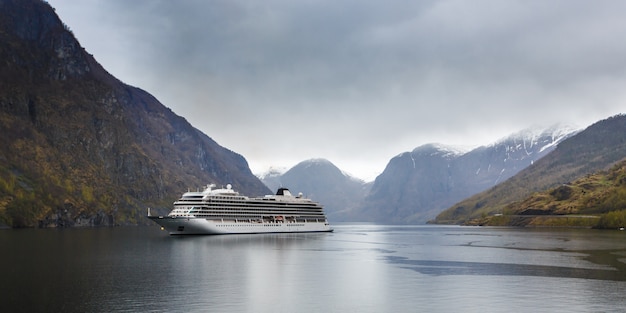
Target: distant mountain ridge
{"points": [[416, 186], [79, 147], [323, 182], [596, 148]]}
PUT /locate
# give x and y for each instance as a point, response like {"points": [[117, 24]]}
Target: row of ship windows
{"points": [[246, 215], [214, 197], [256, 225], [306, 207], [240, 207], [242, 210], [249, 216], [235, 209], [252, 217], [247, 212], [256, 203], [206, 204], [238, 198]]}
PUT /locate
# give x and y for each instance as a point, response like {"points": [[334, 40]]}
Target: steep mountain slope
{"points": [[416, 186], [596, 148], [323, 182], [78, 147]]}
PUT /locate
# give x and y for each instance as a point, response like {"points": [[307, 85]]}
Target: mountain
{"points": [[271, 178], [416, 186], [323, 182], [594, 149], [79, 147]]}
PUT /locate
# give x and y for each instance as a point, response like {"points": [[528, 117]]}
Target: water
{"points": [[358, 268]]}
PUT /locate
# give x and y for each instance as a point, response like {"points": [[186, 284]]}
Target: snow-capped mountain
{"points": [[415, 186], [271, 178], [434, 149], [594, 149], [504, 158], [536, 139]]}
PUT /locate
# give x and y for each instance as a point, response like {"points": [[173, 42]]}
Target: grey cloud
{"points": [[387, 75]]}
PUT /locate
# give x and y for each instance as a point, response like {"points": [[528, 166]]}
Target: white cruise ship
{"points": [[224, 211]]}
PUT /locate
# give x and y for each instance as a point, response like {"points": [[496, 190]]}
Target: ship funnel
{"points": [[283, 192]]}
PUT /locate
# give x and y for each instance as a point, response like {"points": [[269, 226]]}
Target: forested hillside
{"points": [[595, 200]]}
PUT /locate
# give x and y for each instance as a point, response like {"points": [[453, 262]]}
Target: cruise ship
{"points": [[224, 211]]}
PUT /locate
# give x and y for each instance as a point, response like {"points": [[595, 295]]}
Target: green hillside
{"points": [[595, 200]]}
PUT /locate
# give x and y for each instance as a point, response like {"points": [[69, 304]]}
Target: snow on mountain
{"points": [[446, 151], [271, 177], [417, 185], [543, 137], [515, 152], [315, 163], [272, 172]]}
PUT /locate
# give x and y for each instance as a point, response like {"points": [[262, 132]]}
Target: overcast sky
{"points": [[358, 82]]}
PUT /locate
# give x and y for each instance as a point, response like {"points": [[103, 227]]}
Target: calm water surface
{"points": [[358, 268]]}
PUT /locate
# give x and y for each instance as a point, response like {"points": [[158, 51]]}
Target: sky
{"points": [[358, 82]]}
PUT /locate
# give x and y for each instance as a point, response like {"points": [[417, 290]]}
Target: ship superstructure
{"points": [[225, 211]]}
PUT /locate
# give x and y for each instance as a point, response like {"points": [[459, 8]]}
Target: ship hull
{"points": [[202, 226]]}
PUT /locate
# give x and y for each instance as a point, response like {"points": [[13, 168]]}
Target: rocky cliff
{"points": [[79, 147]]}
